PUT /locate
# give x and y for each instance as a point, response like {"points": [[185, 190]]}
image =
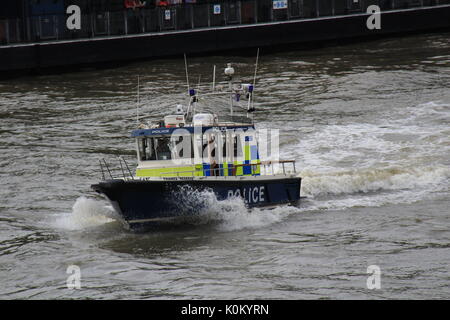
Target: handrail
{"points": [[215, 172], [234, 166], [126, 163], [270, 162], [277, 161], [105, 168]]}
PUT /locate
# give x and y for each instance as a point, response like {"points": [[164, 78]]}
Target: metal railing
{"points": [[121, 172], [219, 13], [255, 170], [270, 164]]}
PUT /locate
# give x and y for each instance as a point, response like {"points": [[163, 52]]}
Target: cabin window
{"points": [[209, 147], [142, 144], [179, 151], [182, 147], [224, 145], [162, 148], [154, 149], [150, 152], [146, 149], [237, 147]]}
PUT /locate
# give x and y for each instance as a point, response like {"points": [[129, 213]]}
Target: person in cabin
{"points": [[215, 168]]}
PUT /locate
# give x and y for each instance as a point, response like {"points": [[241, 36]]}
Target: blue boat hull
{"points": [[146, 202]]}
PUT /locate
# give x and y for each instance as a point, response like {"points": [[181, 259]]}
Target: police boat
{"points": [[188, 153]]}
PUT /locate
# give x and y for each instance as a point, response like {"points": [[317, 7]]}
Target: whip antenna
{"points": [[256, 68], [187, 74], [214, 79], [250, 107], [138, 102]]}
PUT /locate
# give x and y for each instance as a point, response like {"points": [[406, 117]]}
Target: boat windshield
{"points": [[154, 148]]}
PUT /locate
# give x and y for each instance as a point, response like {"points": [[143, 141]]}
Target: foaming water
{"points": [[195, 206], [371, 180], [232, 214], [86, 213], [404, 151]]}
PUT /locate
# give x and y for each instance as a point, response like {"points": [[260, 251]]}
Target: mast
{"points": [[229, 72]]}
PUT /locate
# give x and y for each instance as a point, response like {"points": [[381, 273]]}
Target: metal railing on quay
{"points": [[150, 19]]}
